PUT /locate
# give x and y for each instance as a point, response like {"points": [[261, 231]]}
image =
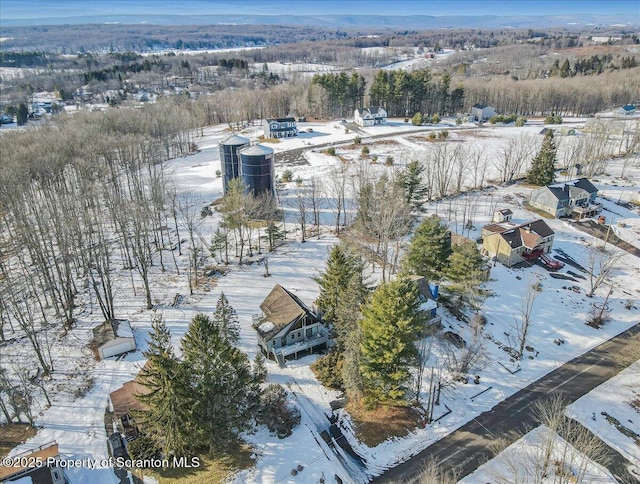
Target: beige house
{"points": [[287, 326], [512, 244]]}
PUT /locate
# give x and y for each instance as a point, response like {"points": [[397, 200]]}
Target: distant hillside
{"points": [[336, 21]]}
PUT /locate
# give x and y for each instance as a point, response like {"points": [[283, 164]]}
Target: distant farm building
{"points": [[626, 110], [230, 158], [113, 338], [370, 116], [482, 112], [575, 198], [287, 327], [512, 244], [280, 128], [256, 169]]}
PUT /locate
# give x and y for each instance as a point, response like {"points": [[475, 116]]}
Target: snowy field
{"points": [[522, 462], [75, 420], [612, 412]]}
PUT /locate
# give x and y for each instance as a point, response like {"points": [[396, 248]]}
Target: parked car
{"points": [[116, 447]]}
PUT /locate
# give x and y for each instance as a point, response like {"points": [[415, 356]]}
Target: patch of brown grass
{"points": [[212, 470], [373, 427], [385, 142], [12, 434]]}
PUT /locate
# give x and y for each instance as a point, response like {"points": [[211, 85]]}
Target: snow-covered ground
{"points": [[522, 462], [559, 313], [612, 407]]}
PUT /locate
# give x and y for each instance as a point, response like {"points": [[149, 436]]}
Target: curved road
{"points": [[468, 447]]}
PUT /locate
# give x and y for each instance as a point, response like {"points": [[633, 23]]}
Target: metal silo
{"points": [[230, 159], [256, 169]]}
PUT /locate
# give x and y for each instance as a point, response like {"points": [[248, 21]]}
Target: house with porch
{"points": [[574, 198], [287, 327], [370, 116], [280, 128], [511, 243]]}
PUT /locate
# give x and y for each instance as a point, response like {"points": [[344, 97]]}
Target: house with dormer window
{"points": [[370, 116], [575, 198]]}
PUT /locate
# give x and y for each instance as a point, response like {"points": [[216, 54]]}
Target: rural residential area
{"points": [[300, 243]]}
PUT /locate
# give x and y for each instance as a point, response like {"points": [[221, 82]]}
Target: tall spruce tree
{"points": [[429, 250], [542, 171], [166, 422], [391, 324], [410, 179], [226, 318], [225, 390], [341, 266]]}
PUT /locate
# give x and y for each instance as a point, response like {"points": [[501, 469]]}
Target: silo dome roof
{"points": [[235, 140], [256, 150]]}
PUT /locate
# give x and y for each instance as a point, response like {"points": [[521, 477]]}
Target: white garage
{"points": [[113, 338]]}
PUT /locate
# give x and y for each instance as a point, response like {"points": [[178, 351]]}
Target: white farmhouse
{"points": [[370, 116]]}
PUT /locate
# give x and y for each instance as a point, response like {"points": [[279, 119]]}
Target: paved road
{"points": [[468, 447]]}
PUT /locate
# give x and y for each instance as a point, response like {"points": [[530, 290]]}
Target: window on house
{"points": [[309, 332]]}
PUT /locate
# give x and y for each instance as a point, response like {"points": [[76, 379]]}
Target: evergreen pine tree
{"points": [[391, 323], [226, 318], [352, 381], [542, 171], [166, 422], [429, 250], [410, 179], [259, 368], [225, 390], [465, 265], [341, 266]]}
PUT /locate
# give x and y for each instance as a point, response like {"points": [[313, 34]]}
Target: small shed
{"points": [[503, 215], [113, 338]]}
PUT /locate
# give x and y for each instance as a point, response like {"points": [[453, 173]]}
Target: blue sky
{"points": [[23, 9]]}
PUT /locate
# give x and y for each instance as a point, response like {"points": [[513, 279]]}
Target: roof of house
{"points": [[373, 110], [527, 234], [506, 211], [110, 330], [280, 308], [423, 287], [41, 474], [480, 106], [281, 120], [124, 399], [567, 190]]}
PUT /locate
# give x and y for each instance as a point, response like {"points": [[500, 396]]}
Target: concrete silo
{"points": [[230, 158], [256, 169]]}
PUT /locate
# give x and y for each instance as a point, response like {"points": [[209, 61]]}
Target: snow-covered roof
{"points": [[235, 140], [266, 327], [428, 305], [256, 150]]}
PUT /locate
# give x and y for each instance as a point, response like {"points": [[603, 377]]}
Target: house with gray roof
{"points": [[287, 326], [370, 116], [575, 198], [280, 128], [512, 244]]}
